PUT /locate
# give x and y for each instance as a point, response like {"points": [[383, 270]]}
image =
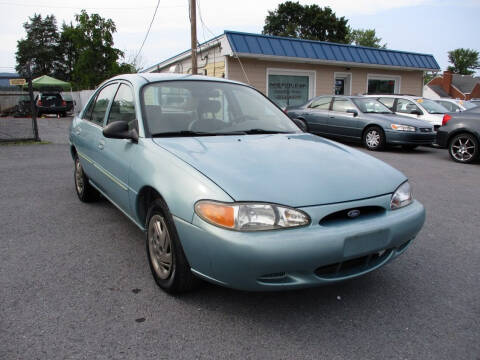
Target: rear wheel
{"points": [[374, 138], [166, 258], [464, 148], [85, 191]]}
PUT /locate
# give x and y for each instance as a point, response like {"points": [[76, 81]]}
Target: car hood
{"points": [[295, 169], [402, 120]]}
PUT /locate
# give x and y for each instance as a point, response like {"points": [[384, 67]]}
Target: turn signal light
{"points": [[64, 103], [218, 214], [446, 118]]}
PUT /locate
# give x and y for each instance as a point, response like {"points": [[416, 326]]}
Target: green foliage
{"points": [[307, 22], [39, 49], [428, 76], [465, 61], [365, 37], [83, 53]]}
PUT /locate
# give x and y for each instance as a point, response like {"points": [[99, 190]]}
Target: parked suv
{"points": [[50, 103], [415, 107]]}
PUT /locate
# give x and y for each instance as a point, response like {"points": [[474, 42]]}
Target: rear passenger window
{"points": [[123, 108], [321, 104], [342, 105], [388, 102], [101, 104]]}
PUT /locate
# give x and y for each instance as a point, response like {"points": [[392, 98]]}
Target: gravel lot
{"points": [[75, 283]]}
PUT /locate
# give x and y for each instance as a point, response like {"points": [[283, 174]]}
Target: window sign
{"points": [[287, 90]]}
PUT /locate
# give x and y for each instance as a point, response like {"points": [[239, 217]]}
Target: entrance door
{"points": [[339, 86]]}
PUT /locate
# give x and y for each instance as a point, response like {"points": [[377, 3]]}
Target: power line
{"points": [[148, 31]]}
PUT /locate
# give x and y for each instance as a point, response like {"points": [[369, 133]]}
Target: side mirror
{"points": [[119, 130], [302, 124], [353, 111]]}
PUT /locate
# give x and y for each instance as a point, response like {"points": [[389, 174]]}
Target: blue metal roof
{"points": [[255, 44]]}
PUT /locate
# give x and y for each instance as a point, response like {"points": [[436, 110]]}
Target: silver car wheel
{"points": [[160, 247], [373, 139], [462, 149], [79, 183]]}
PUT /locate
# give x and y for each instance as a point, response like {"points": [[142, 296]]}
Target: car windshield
{"points": [[369, 105], [202, 108], [431, 106]]}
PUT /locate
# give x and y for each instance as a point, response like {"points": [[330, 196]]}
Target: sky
{"points": [[424, 26]]}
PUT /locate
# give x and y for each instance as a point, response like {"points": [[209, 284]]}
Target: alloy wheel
{"points": [[79, 183], [462, 149], [373, 139]]}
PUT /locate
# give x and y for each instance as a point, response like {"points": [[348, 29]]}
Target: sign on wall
{"points": [[287, 90], [17, 82]]}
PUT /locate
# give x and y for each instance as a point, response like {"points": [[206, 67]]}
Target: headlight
{"points": [[398, 127], [250, 216], [402, 196]]}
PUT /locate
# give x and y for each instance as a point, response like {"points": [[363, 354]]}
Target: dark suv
{"points": [[51, 103]]}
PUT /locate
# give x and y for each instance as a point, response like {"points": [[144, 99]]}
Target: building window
{"points": [[290, 87], [382, 84]]}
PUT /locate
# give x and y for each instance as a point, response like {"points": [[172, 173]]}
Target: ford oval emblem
{"points": [[353, 213]]}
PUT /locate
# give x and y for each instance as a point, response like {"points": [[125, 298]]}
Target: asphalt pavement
{"points": [[75, 282]]}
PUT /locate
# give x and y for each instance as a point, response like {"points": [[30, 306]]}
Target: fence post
{"points": [[32, 105]]}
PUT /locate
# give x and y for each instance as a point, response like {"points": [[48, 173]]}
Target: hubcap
{"points": [[462, 149], [373, 139], [79, 177], [160, 246]]}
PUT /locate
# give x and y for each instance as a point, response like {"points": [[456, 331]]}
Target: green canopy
{"points": [[45, 82]]}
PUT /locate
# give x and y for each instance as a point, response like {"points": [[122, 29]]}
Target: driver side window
{"points": [[406, 107]]}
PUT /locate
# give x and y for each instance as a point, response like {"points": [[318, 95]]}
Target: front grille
{"points": [[426, 130], [365, 212], [353, 266]]}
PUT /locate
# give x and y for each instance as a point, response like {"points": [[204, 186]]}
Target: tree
{"points": [[465, 61], [39, 50], [307, 22], [365, 37]]}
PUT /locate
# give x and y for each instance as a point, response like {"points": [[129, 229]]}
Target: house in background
{"points": [[290, 71], [456, 86]]}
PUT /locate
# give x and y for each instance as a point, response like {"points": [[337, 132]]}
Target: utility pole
{"points": [[193, 26]]}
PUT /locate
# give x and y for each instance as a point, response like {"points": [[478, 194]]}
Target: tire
{"points": [[374, 138], [85, 192], [166, 258], [409, 147], [464, 148]]}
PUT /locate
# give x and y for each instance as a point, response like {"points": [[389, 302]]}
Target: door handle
{"points": [[101, 145]]}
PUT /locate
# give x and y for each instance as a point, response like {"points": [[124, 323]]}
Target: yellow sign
{"points": [[19, 82]]}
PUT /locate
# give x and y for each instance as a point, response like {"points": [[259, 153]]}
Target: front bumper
{"points": [[410, 138], [442, 138], [302, 257]]}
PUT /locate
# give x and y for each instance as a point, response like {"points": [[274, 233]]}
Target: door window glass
{"points": [[322, 103], [406, 107], [123, 108], [388, 102], [101, 104], [342, 105]]}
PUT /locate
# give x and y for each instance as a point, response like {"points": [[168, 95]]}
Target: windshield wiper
{"points": [[187, 133], [264, 131]]}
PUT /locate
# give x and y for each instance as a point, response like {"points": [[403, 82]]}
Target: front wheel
{"points": [[374, 138], [168, 263], [463, 148], [85, 191]]}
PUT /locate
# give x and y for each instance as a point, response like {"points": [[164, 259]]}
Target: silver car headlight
{"points": [[399, 127], [250, 216], [402, 196]]}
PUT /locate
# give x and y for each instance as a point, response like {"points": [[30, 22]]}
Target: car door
{"points": [[316, 114], [88, 132], [116, 155], [342, 121]]}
